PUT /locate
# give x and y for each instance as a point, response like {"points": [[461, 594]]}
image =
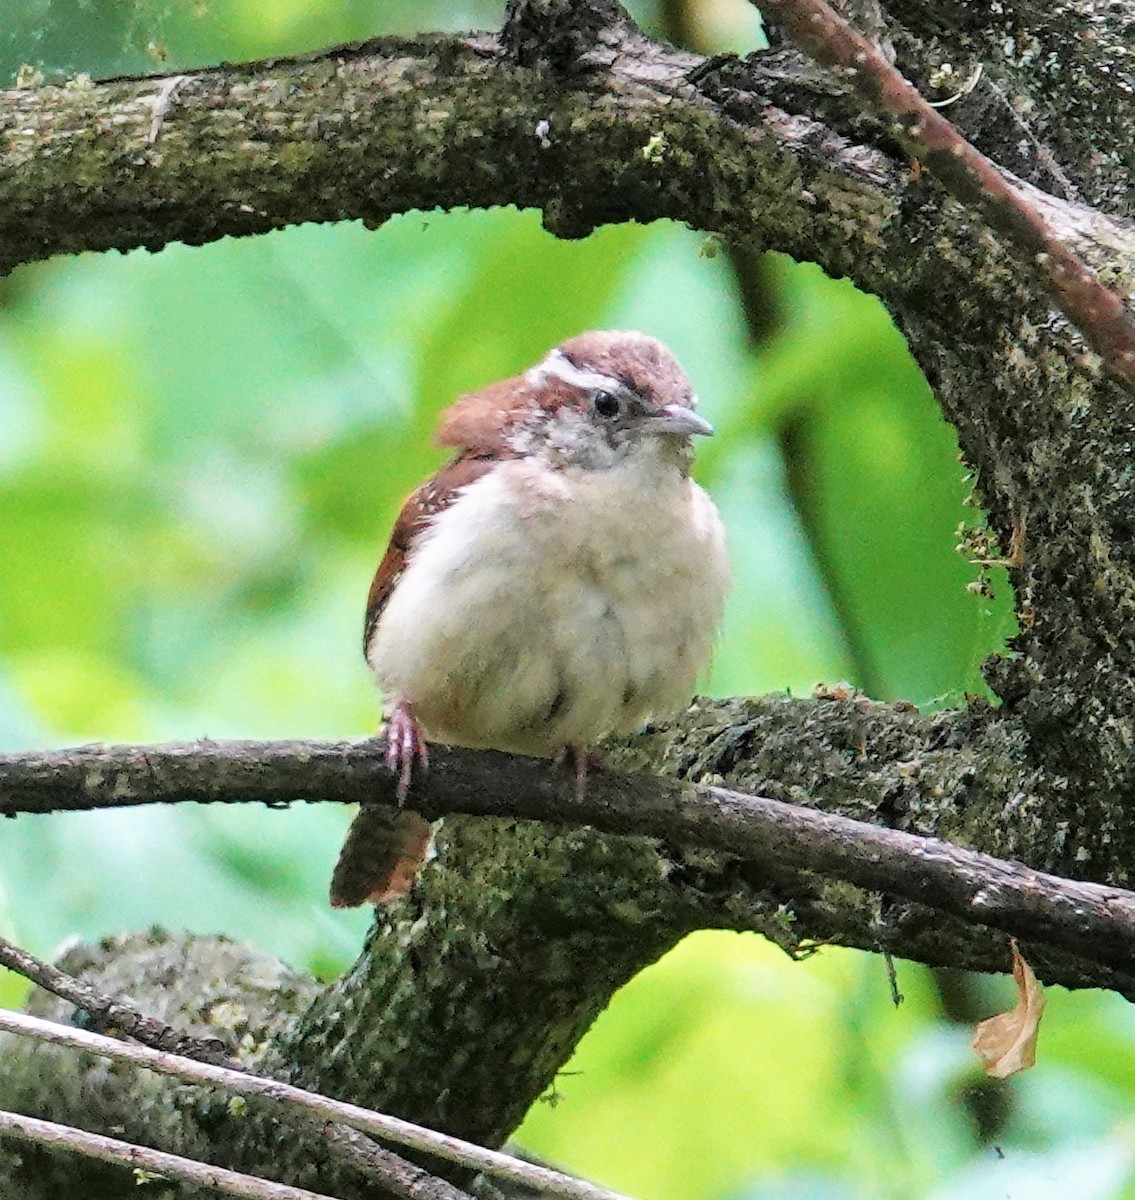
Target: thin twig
{"points": [[1099, 313], [156, 1163], [112, 1013], [285, 1097]]}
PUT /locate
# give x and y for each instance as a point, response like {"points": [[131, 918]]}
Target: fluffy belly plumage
{"points": [[524, 623]]}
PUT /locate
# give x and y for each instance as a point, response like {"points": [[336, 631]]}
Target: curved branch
{"points": [[392, 125], [1092, 922]]}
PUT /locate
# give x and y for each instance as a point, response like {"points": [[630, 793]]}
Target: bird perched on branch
{"points": [[561, 578]]}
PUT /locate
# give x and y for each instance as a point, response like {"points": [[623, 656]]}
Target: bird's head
{"points": [[596, 401]]}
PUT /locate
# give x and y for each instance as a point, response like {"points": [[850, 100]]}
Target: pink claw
{"points": [[405, 745], [579, 761]]}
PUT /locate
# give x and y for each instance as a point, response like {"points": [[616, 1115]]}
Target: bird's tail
{"points": [[381, 857]]}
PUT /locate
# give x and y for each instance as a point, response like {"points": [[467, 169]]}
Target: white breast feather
{"points": [[548, 608]]}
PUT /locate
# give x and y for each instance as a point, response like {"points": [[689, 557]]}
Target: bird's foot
{"points": [[579, 762], [405, 745]]}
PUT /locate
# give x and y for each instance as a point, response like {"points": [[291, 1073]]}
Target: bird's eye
{"points": [[606, 404]]}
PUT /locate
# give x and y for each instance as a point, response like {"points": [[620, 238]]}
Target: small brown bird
{"points": [[561, 578]]}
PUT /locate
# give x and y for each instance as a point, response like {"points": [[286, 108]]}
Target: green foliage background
{"points": [[201, 454]]}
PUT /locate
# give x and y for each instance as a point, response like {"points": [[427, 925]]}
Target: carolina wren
{"points": [[560, 579]]}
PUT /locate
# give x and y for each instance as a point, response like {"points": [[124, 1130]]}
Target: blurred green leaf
{"points": [[709, 1065], [876, 475]]}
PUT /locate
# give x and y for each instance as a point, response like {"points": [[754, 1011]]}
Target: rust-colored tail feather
{"points": [[381, 856]]}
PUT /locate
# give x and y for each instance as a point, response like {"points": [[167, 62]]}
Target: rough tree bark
{"points": [[469, 995]]}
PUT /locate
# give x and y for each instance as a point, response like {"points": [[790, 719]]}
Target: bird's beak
{"points": [[677, 419]]}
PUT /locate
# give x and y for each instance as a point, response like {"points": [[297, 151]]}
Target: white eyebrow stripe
{"points": [[559, 366]]}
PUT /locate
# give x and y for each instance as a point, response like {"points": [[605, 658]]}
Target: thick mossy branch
{"points": [[1099, 313], [1056, 79], [367, 131]]}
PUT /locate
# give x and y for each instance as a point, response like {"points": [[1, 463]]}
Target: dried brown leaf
{"points": [[1006, 1043]]}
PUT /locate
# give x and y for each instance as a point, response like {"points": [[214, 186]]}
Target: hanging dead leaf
{"points": [[1006, 1043]]}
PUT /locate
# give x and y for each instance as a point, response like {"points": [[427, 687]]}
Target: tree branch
{"points": [[290, 1102], [295, 140], [928, 136], [1076, 110], [1090, 921], [112, 1012], [174, 1052], [146, 1162]]}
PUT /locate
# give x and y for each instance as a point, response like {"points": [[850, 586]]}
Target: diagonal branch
{"points": [[165, 1050], [147, 1163], [163, 1047], [1094, 922], [1076, 112], [1099, 313], [112, 1012], [292, 1101]]}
